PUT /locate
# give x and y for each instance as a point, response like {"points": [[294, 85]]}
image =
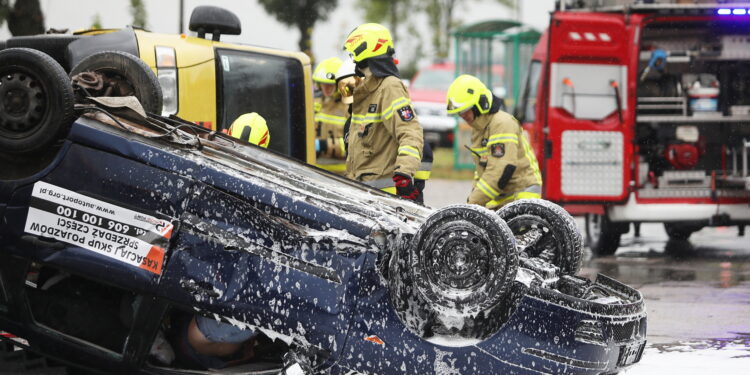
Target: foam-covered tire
{"points": [[462, 261], [555, 229], [131, 69], [36, 101]]}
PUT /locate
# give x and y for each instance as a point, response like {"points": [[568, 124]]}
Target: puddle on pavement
{"points": [[637, 268], [739, 342]]}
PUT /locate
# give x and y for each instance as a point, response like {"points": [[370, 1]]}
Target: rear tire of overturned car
{"points": [[461, 262], [36, 101], [128, 74], [557, 231]]}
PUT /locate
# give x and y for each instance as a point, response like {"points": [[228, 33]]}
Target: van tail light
{"points": [[166, 71]]}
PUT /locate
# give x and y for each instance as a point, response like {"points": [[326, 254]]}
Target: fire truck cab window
{"points": [[588, 91]]}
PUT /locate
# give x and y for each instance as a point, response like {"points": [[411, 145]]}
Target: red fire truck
{"points": [[640, 112]]}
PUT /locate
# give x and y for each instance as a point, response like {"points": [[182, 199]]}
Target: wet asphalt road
{"points": [[696, 290]]}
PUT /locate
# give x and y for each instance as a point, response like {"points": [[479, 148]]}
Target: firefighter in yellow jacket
{"points": [[330, 117], [385, 139], [506, 168]]}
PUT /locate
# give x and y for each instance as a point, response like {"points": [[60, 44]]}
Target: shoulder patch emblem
{"points": [[406, 113], [497, 150], [373, 108]]}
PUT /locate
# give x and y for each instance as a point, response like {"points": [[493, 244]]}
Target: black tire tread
{"points": [[680, 232], [138, 73], [63, 98], [570, 255]]}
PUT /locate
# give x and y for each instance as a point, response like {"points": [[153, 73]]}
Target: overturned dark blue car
{"points": [[122, 230]]}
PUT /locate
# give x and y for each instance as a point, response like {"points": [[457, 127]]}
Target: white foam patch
{"points": [[452, 341]]}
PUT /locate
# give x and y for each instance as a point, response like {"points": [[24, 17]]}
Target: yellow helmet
{"points": [[467, 91], [325, 72], [252, 128], [369, 40]]}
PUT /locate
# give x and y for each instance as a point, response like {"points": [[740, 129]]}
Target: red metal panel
{"points": [[589, 38]]}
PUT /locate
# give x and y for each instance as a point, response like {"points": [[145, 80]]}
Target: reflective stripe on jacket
{"points": [[329, 128], [503, 157]]}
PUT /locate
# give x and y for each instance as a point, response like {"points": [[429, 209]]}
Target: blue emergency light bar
{"points": [[733, 12]]}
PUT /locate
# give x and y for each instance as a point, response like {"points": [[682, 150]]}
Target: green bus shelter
{"points": [[498, 52]]}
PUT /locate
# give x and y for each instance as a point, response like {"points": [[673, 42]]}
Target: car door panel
{"points": [[235, 260]]}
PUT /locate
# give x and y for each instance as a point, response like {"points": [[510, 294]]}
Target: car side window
{"points": [[528, 101], [79, 307], [272, 86]]}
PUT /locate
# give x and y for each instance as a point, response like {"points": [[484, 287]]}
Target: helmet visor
{"points": [[456, 108]]}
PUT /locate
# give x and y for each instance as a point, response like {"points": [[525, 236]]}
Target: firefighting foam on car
{"points": [[152, 223], [140, 232]]}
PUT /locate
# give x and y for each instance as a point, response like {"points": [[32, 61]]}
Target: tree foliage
{"points": [[392, 13], [96, 21], [399, 16], [302, 14], [25, 18], [4, 10], [440, 17], [138, 11]]}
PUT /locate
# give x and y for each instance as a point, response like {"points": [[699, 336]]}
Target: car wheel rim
{"points": [[115, 84], [533, 235], [24, 104], [458, 258]]}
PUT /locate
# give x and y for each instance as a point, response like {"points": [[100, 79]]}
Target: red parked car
{"points": [[427, 91]]}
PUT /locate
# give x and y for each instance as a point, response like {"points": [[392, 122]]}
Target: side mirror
{"points": [[214, 20]]}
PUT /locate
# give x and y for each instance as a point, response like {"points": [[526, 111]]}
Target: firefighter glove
{"points": [[405, 187]]}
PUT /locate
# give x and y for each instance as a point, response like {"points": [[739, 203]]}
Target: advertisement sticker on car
{"points": [[128, 236]]}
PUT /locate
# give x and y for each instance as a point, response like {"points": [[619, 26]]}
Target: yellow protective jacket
{"points": [[329, 129], [506, 166], [385, 136]]}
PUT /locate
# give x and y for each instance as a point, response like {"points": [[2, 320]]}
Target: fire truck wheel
{"points": [[36, 102], [680, 231], [545, 230], [467, 250], [602, 235], [115, 73]]}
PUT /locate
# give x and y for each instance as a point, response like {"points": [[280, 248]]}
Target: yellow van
{"points": [[205, 81]]}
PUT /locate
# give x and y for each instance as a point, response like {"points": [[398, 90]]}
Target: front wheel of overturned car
{"points": [[115, 73], [545, 230], [36, 102], [461, 263]]}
